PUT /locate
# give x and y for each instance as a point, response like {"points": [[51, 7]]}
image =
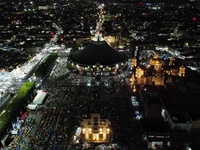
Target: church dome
{"points": [[155, 60], [98, 58]]}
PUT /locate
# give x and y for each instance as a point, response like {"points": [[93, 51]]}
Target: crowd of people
{"points": [[69, 100], [111, 101]]}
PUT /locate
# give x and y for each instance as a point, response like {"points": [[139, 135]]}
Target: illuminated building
{"points": [[98, 58], [158, 74], [96, 129]]}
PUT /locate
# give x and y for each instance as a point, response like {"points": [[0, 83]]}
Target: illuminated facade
{"points": [[96, 129], [157, 74]]}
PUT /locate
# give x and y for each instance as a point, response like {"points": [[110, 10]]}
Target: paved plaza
{"points": [[70, 98]]}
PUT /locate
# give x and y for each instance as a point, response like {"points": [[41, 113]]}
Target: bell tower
{"points": [[181, 72]]}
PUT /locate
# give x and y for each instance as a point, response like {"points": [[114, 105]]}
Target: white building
{"points": [[96, 129]]}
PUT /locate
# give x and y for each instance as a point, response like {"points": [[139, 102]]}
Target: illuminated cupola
{"points": [[155, 62]]}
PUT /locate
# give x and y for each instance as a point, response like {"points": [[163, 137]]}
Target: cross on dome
{"points": [[98, 37]]}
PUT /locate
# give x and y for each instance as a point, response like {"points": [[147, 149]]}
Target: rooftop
{"points": [[180, 117], [155, 125], [98, 52]]}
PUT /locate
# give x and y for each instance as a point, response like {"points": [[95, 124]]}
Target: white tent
{"points": [[15, 131], [32, 106], [39, 98], [78, 131]]}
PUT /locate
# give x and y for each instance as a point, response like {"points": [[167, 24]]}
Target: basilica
{"points": [[98, 58], [155, 73]]}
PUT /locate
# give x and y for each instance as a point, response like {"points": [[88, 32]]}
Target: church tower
{"points": [[181, 72], [172, 61], [134, 62]]}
